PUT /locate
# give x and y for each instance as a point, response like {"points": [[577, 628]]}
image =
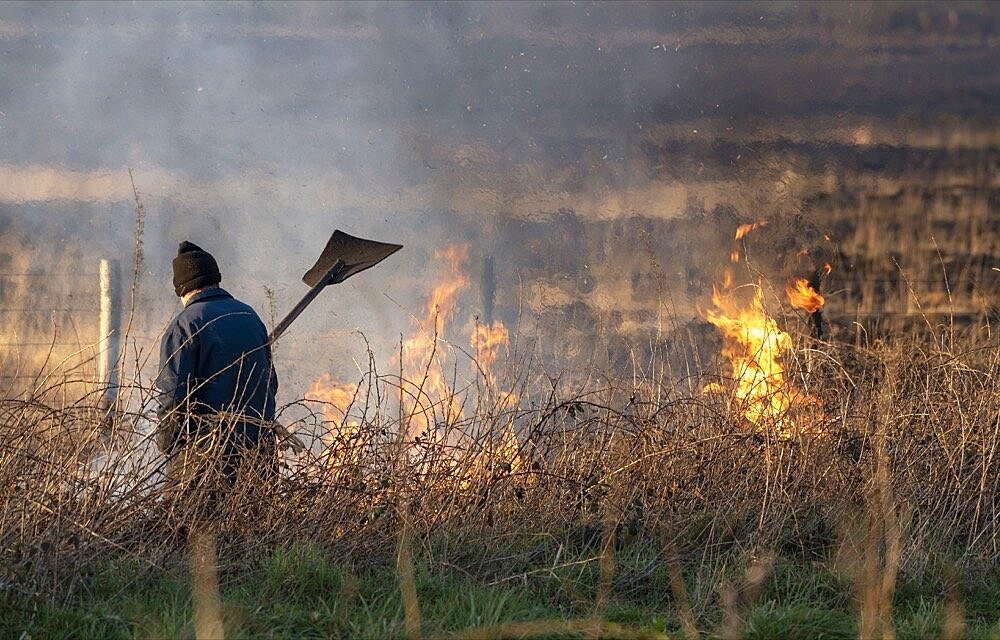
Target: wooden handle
{"points": [[331, 276]]}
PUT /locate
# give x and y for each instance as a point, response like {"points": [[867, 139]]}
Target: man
{"points": [[216, 381]]}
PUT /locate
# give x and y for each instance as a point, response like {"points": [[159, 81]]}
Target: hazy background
{"points": [[599, 155]]}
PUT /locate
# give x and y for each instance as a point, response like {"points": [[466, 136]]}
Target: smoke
{"points": [[256, 129]]}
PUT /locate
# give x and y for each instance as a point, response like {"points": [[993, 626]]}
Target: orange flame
{"points": [[441, 306], [337, 399], [754, 345], [486, 341], [432, 398], [801, 295], [744, 229], [425, 351], [741, 232]]}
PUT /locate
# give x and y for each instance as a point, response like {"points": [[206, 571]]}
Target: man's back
{"points": [[215, 358]]}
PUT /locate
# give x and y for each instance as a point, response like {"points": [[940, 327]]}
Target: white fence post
{"points": [[110, 330]]}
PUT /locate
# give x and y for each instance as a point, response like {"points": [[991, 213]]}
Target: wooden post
{"points": [[110, 330]]}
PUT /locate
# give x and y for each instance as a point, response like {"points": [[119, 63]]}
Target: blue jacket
{"points": [[215, 357]]}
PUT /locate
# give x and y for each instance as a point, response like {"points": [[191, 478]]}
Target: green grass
{"points": [[306, 593]]}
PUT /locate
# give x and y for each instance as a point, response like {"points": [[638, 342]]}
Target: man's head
{"points": [[194, 268]]}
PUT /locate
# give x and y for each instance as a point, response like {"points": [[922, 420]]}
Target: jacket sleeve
{"points": [[178, 363]]}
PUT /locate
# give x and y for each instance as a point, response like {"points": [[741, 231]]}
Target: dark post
{"points": [[488, 286], [816, 281]]}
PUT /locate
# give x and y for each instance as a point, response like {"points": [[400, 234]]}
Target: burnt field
{"points": [[693, 332], [740, 477]]}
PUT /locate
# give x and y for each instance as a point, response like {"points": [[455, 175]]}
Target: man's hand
{"points": [[287, 439], [168, 432]]}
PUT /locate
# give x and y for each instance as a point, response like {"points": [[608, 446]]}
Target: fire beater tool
{"points": [[344, 256]]}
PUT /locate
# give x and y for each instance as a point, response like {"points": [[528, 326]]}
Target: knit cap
{"points": [[194, 268]]}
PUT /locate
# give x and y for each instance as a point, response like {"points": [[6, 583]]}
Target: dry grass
{"points": [[895, 470], [903, 470]]}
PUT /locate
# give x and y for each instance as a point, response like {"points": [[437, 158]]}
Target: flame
{"points": [[422, 356], [424, 353], [441, 305], [744, 229], [801, 295], [431, 397], [486, 341], [741, 232], [338, 399], [754, 344]]}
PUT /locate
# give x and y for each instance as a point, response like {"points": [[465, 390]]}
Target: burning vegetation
{"points": [[653, 421], [458, 443], [757, 349], [434, 399], [801, 295], [444, 452]]}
